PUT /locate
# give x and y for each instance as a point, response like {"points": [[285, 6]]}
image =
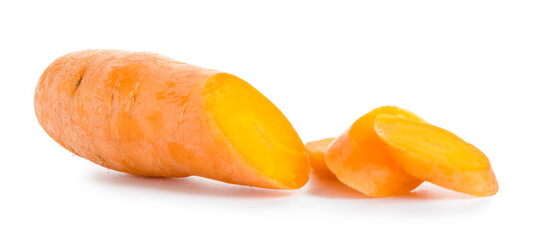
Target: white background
{"points": [[472, 67]]}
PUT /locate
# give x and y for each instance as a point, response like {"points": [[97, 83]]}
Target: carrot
{"points": [[359, 158], [436, 155], [315, 151], [149, 115]]}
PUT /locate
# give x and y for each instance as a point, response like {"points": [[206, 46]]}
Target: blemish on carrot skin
{"points": [[101, 160], [134, 92], [110, 107], [130, 103], [76, 85], [78, 82]]}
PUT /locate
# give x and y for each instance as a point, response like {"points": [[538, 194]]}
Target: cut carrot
{"points": [[315, 151], [436, 155], [360, 159], [148, 115]]}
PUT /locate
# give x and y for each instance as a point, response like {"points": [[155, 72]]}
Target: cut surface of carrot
{"points": [[316, 152], [359, 158], [436, 155], [257, 129]]}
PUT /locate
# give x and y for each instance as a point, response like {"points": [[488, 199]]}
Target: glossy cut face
{"points": [[257, 129], [437, 155], [430, 142]]}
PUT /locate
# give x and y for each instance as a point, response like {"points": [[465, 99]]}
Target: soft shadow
{"points": [[331, 188], [427, 200], [190, 185], [429, 191]]}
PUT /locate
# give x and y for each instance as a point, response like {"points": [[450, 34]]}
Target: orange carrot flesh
{"points": [[359, 158], [149, 115], [436, 155], [315, 151], [257, 129]]}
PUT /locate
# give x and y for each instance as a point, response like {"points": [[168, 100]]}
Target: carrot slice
{"points": [[436, 155], [359, 158], [315, 151]]}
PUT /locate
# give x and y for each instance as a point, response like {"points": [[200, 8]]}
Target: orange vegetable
{"points": [[149, 115], [359, 158], [436, 155], [315, 151]]}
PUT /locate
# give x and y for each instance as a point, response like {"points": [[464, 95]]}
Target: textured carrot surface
{"points": [[315, 151], [436, 155], [359, 158], [149, 115]]}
